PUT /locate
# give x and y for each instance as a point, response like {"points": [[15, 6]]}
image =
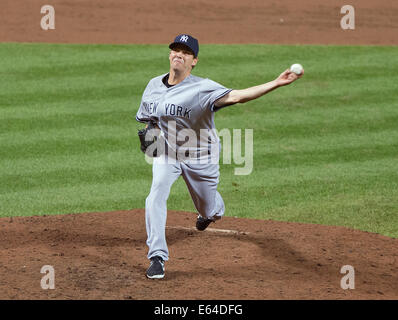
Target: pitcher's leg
{"points": [[164, 175], [219, 206], [202, 181]]}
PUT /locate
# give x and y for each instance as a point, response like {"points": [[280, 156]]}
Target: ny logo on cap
{"points": [[184, 38]]}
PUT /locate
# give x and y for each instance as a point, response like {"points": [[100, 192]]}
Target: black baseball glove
{"points": [[151, 144]]}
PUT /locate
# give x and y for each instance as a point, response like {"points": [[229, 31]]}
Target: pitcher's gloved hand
{"points": [[151, 144]]}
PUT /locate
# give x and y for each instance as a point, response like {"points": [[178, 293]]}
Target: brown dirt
{"points": [[221, 21], [103, 256]]}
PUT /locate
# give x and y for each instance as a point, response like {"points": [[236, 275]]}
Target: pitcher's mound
{"points": [[103, 256]]}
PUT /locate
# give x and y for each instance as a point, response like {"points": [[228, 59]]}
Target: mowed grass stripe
{"points": [[100, 196], [135, 57], [65, 146], [117, 118], [27, 56], [329, 102], [272, 114], [369, 211], [326, 104], [304, 186], [280, 145], [109, 165], [59, 109], [324, 125], [291, 107], [93, 160], [326, 156], [68, 95], [310, 197], [83, 145], [70, 176], [72, 70], [264, 176], [74, 77], [317, 188], [25, 137], [327, 127], [65, 84]]}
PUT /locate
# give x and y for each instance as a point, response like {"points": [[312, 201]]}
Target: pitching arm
{"points": [[245, 95]]}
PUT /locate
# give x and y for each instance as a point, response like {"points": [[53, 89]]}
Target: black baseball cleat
{"points": [[203, 223], [156, 269]]}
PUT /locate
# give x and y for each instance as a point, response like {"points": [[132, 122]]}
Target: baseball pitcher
{"points": [[179, 104]]}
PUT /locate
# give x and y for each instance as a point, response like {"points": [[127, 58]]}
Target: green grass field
{"points": [[325, 148]]}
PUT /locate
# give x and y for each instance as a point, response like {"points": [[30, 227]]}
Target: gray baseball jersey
{"points": [[187, 105]]}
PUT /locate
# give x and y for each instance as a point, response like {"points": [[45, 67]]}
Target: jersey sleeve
{"points": [[210, 92], [143, 114]]}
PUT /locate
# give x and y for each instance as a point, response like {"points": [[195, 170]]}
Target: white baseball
{"points": [[296, 68]]}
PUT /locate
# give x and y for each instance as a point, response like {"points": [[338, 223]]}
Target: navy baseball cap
{"points": [[187, 40]]}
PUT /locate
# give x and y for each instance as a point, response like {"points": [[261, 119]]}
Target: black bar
{"points": [[202, 309]]}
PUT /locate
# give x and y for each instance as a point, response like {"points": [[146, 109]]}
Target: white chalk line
{"points": [[225, 231]]}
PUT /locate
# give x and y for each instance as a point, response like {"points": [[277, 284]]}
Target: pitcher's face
{"points": [[182, 59]]}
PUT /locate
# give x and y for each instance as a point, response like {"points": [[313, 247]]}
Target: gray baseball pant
{"points": [[201, 180]]}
